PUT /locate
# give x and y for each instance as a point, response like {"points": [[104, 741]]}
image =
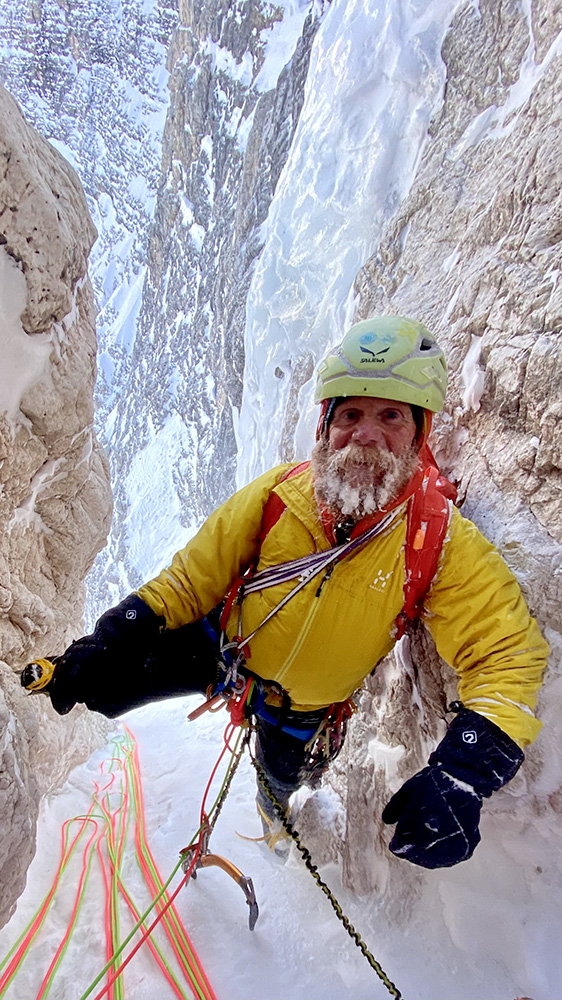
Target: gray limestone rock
{"points": [[55, 502], [474, 251]]}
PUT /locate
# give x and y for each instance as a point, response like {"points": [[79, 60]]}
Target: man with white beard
{"points": [[296, 587]]}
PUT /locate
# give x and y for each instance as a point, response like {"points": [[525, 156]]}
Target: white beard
{"points": [[359, 479]]}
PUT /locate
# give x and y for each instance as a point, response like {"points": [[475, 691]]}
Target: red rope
{"points": [[66, 852], [109, 947], [113, 836], [186, 954], [148, 932], [114, 853], [77, 899], [182, 955]]}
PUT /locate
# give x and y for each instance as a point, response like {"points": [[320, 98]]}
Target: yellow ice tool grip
{"points": [[37, 675]]}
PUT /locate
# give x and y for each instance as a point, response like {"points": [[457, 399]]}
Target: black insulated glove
{"points": [[103, 669], [437, 812]]}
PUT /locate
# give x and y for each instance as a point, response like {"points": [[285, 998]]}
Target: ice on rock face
{"points": [[24, 358], [373, 68], [473, 376]]}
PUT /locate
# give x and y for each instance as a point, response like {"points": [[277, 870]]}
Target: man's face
{"points": [[367, 457], [372, 421]]}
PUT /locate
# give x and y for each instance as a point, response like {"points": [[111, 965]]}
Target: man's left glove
{"points": [[437, 812], [103, 670]]}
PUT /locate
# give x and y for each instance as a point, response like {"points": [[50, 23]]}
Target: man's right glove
{"points": [[103, 670], [437, 811]]}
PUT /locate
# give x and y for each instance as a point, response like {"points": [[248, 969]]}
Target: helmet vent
{"points": [[426, 344]]}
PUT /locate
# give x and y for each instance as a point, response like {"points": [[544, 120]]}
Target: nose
{"points": [[367, 432]]}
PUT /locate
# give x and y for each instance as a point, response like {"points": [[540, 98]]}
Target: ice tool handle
{"points": [[38, 675]]}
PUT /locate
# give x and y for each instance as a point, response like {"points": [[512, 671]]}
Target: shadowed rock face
{"points": [[55, 502], [474, 252], [224, 146]]}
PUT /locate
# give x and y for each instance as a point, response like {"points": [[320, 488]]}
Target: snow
{"points": [[497, 122], [279, 43], [281, 40], [496, 938], [155, 520], [25, 514], [25, 357], [222, 60], [472, 375], [285, 957]]}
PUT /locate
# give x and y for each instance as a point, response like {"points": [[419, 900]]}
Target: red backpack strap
{"points": [[274, 505], [427, 522]]}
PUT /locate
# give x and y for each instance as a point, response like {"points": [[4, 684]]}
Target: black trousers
{"points": [[287, 764]]}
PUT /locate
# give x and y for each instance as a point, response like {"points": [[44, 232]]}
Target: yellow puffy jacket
{"points": [[320, 647]]}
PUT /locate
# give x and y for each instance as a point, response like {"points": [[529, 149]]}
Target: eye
{"points": [[348, 416]]}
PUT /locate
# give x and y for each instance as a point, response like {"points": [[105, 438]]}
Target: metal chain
{"points": [[289, 828]]}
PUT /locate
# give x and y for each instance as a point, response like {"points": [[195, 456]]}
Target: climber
{"points": [[362, 540]]}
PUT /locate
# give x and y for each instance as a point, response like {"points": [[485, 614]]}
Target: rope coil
{"points": [[106, 825]]}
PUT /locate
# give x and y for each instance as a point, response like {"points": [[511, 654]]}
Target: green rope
{"points": [[240, 745], [170, 919], [68, 849], [392, 989], [130, 936], [45, 903], [72, 925]]}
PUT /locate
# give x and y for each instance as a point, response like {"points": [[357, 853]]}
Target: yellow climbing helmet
{"points": [[390, 357]]}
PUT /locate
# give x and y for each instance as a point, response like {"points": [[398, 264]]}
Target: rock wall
{"points": [[474, 251], [55, 502], [91, 77], [227, 136]]}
